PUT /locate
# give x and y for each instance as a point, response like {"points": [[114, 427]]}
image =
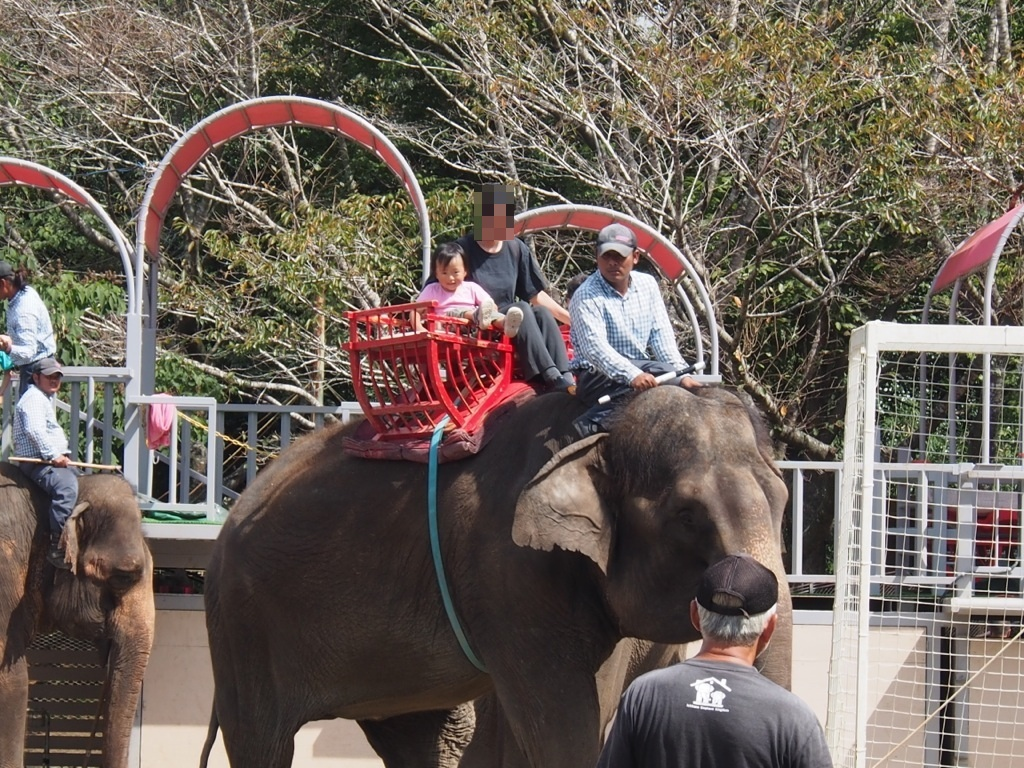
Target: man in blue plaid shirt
{"points": [[621, 333], [37, 435]]}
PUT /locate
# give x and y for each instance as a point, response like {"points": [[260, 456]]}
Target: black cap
{"points": [[618, 238], [47, 366], [6, 270], [738, 585]]}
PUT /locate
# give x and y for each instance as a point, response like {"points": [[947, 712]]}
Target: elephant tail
{"points": [[211, 737]]}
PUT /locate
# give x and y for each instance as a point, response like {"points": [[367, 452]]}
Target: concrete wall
{"points": [[178, 691]]}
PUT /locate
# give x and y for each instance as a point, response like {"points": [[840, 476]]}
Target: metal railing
{"points": [[204, 470]]}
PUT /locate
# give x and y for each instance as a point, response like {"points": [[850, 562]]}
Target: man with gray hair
{"points": [[716, 710]]}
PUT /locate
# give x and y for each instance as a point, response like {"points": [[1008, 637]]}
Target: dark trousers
{"points": [[24, 379], [592, 385], [60, 484], [539, 344]]}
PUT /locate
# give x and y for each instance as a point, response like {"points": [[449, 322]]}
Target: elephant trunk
{"points": [[776, 661], [131, 641]]}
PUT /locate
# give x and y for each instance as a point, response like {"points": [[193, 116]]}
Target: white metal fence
{"points": [[928, 551]]}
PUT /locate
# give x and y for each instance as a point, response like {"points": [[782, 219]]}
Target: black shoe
{"points": [[586, 427], [564, 383], [56, 555]]}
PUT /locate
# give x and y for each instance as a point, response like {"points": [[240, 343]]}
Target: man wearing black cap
{"points": [[716, 710], [621, 333], [37, 435], [29, 336], [504, 266]]}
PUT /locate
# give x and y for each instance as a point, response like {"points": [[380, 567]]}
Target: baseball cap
{"points": [[47, 366], [618, 238], [738, 585], [6, 270]]}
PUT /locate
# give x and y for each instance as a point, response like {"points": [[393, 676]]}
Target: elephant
{"points": [[106, 597], [322, 599]]}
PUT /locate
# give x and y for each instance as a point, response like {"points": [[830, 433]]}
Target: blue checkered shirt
{"points": [[609, 330], [37, 435], [29, 326]]}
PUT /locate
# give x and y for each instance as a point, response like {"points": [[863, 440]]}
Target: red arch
{"points": [[23, 173], [256, 114], [669, 259]]}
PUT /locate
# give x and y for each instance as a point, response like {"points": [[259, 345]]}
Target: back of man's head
{"points": [[736, 598]]}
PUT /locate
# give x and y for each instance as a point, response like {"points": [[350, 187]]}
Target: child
{"points": [[458, 297]]}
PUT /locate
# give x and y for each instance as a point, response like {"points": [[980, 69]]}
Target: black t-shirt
{"points": [[512, 274], [704, 714]]}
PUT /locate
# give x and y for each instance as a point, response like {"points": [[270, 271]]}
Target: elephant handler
{"points": [[716, 709], [621, 333], [37, 435]]}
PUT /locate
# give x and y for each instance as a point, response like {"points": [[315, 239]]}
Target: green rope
{"points": [[435, 546]]}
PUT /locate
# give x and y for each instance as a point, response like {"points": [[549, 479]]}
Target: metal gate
{"points": [[65, 728]]}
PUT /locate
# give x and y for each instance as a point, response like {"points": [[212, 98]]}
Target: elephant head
{"points": [[683, 479], [107, 597]]}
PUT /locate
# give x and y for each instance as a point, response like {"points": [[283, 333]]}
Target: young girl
{"points": [[458, 297]]}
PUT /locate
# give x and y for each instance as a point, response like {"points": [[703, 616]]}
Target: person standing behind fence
{"points": [[38, 435], [29, 336], [716, 709]]}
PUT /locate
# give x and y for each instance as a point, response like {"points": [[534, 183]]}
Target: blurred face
{"points": [[494, 222], [451, 276], [48, 383], [6, 289], [615, 268]]}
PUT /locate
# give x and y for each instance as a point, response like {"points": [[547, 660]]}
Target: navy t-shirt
{"points": [[512, 274]]}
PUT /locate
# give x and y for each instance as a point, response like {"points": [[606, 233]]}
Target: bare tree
{"points": [[786, 148]]}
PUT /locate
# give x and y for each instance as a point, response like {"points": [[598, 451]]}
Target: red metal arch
{"points": [[669, 259], [23, 173], [257, 114]]}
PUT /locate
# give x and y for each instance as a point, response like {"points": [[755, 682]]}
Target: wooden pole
{"points": [[82, 464]]}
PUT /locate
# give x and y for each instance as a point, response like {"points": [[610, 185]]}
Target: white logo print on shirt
{"points": [[708, 696]]}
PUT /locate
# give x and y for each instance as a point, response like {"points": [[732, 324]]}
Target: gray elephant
{"points": [[107, 597], [322, 599]]}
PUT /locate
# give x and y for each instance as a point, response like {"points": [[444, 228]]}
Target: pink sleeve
{"points": [[479, 294], [429, 293]]}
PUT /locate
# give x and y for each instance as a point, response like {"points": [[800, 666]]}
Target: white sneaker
{"points": [[487, 313], [513, 319]]}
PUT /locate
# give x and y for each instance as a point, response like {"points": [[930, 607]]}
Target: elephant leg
{"points": [[433, 739], [493, 745], [554, 716], [262, 744], [257, 726], [13, 712]]}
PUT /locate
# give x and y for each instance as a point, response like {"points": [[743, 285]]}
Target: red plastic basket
{"points": [[407, 381]]}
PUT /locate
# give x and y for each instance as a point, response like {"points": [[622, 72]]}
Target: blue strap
{"points": [[435, 546]]}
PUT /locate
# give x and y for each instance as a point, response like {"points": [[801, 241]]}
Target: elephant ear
{"points": [[71, 531], [562, 507]]}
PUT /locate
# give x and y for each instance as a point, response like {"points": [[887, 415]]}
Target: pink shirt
{"points": [[467, 296]]}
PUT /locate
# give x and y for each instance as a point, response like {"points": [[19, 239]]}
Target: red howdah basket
{"points": [[407, 380]]}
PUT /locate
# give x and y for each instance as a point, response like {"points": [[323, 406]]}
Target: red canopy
{"points": [[978, 249]]}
